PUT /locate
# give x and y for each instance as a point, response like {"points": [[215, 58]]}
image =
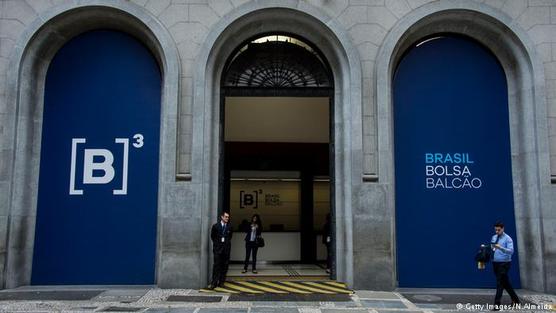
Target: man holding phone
{"points": [[503, 247]]}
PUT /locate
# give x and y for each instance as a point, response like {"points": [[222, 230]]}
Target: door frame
{"points": [[223, 177]]}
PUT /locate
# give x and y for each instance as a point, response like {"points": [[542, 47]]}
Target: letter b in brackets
{"points": [[98, 164], [91, 166], [248, 199]]}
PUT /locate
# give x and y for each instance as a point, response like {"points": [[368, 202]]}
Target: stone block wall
{"points": [[186, 204]]}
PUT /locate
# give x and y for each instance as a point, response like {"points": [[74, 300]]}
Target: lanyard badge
{"points": [[223, 239]]}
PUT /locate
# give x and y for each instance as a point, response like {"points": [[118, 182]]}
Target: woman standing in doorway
{"points": [[251, 244]]}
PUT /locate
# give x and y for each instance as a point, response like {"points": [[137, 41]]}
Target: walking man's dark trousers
{"points": [[501, 270], [221, 236], [501, 261]]}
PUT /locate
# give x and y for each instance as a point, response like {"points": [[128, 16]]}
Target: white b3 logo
{"points": [[105, 166]]}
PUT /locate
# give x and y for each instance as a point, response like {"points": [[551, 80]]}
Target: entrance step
{"points": [[277, 271], [282, 287], [278, 278]]}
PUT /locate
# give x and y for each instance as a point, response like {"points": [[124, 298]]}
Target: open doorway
{"points": [[277, 156]]}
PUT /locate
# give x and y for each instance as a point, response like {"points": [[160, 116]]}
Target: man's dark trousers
{"points": [[221, 237], [501, 270], [220, 268]]}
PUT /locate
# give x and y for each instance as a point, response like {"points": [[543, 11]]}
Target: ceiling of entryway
{"points": [[277, 119]]}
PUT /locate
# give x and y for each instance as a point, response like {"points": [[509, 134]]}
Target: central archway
{"points": [[246, 22], [276, 159]]}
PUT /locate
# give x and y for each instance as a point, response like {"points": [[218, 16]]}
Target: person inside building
{"points": [[327, 241], [221, 236], [503, 247], [252, 237]]}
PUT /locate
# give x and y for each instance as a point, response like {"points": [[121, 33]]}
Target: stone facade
{"points": [[362, 40]]}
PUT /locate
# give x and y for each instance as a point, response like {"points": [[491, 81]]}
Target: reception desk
{"points": [[279, 247]]}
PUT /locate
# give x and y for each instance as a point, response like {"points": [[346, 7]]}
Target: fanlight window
{"points": [[277, 62]]}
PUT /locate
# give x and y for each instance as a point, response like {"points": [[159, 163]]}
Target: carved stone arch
{"points": [[528, 135], [28, 66], [265, 17]]}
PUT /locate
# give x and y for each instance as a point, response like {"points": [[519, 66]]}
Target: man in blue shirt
{"points": [[503, 247]]}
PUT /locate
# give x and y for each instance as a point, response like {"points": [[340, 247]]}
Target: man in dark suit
{"points": [[221, 236]]}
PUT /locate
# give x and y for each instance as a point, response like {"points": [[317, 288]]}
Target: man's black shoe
{"points": [[496, 307], [210, 287]]}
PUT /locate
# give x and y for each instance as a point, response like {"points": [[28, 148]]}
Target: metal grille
{"points": [[276, 64]]}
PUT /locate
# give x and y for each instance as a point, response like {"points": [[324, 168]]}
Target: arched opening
{"points": [[100, 137], [277, 157], [524, 73], [453, 168], [29, 64], [249, 22]]}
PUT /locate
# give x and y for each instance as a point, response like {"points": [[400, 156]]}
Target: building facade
{"points": [[409, 186]]}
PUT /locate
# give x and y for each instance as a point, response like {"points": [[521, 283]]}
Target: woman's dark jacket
{"points": [[248, 232]]}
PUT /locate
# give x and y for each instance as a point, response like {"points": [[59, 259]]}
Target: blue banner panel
{"points": [[452, 163], [98, 184]]}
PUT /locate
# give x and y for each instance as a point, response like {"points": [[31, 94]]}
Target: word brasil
{"points": [[450, 171]]}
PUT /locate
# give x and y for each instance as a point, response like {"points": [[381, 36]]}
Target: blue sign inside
{"points": [[452, 163], [98, 184]]}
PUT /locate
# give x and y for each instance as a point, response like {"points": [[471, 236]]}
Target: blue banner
{"points": [[98, 184], [452, 162]]}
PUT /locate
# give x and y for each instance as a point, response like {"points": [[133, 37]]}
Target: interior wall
{"points": [[277, 119], [277, 203]]}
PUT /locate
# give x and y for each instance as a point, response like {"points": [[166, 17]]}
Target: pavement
{"points": [[155, 300]]}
